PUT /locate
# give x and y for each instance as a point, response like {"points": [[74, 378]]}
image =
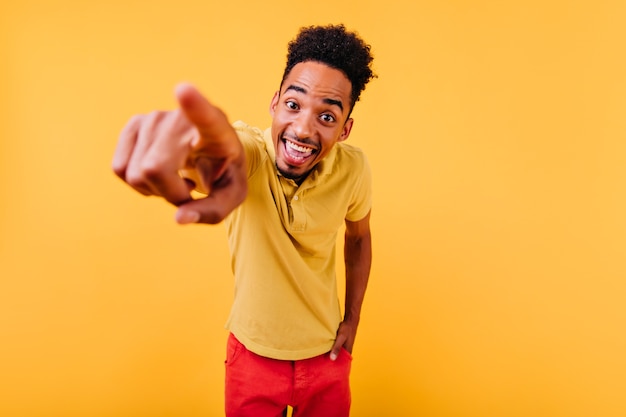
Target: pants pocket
{"points": [[233, 349]]}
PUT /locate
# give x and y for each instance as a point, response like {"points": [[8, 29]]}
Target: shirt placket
{"points": [[298, 223], [293, 196]]}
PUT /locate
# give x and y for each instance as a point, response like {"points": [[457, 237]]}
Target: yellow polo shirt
{"points": [[282, 241]]}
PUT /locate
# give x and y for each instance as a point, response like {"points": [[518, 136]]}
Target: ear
{"points": [[347, 127], [274, 103]]}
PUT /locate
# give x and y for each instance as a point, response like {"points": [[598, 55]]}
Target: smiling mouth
{"points": [[298, 152]]}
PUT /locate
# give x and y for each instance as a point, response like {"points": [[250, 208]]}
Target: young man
{"points": [[283, 194]]}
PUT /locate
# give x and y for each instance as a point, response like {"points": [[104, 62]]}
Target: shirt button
{"points": [[296, 198]]}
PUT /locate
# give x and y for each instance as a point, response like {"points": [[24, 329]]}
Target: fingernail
{"points": [[333, 356], [187, 217], [181, 86]]}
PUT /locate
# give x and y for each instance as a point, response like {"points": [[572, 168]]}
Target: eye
{"points": [[292, 105], [328, 118]]}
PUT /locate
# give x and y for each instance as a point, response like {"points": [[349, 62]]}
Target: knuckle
{"points": [[135, 179], [119, 169], [133, 125], [135, 119], [156, 114], [152, 170]]}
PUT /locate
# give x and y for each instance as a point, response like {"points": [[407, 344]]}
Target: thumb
{"points": [[334, 352]]}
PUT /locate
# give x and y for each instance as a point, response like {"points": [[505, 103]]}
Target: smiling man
{"points": [[309, 117], [283, 194]]}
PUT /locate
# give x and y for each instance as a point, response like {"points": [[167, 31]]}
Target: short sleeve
{"points": [[253, 144], [361, 201]]}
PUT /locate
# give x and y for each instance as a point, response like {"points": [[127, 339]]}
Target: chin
{"points": [[290, 174]]}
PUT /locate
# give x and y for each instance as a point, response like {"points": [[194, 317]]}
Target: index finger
{"points": [[217, 138]]}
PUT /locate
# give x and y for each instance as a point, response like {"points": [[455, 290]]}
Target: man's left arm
{"points": [[358, 260]]}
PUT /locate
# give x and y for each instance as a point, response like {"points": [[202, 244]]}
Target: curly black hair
{"points": [[334, 46]]}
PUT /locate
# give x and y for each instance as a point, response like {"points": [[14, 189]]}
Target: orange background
{"points": [[497, 135]]}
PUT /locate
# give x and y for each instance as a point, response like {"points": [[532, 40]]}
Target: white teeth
{"points": [[298, 148]]}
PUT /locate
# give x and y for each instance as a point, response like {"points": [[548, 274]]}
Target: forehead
{"points": [[318, 80]]}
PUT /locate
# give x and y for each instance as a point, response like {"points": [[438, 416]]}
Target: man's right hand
{"points": [[154, 148]]}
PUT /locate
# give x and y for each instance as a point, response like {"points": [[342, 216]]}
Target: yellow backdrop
{"points": [[497, 136]]}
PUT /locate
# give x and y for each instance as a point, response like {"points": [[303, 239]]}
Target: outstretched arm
{"points": [[154, 148], [358, 260]]}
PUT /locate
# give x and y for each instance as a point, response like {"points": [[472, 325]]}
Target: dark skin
{"points": [[358, 260], [153, 149], [312, 110]]}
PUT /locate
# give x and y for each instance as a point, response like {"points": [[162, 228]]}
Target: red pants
{"points": [[261, 387]]}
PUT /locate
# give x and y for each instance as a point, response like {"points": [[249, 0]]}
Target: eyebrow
{"points": [[330, 101]]}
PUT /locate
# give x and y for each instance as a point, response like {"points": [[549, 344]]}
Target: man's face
{"points": [[310, 114]]}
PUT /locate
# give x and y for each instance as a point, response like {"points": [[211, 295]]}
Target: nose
{"points": [[302, 125]]}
